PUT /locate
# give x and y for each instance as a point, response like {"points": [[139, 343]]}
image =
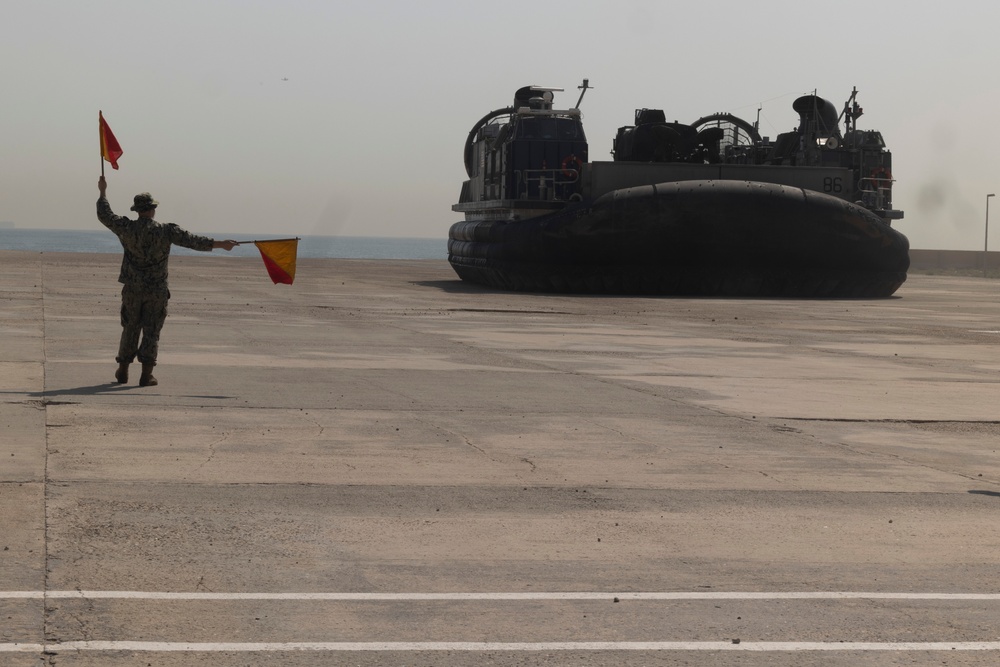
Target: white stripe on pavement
{"points": [[486, 596], [520, 646], [21, 648]]}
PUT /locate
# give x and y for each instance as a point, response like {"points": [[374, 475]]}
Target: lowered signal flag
{"points": [[279, 257]]}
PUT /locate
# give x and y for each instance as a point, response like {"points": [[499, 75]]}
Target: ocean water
{"points": [[340, 247]]}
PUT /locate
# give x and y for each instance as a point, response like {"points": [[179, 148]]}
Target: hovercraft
{"points": [[709, 208]]}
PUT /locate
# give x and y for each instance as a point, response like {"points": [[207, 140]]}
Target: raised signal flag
{"points": [[111, 150]]}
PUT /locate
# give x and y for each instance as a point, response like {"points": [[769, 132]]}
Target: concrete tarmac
{"points": [[382, 465]]}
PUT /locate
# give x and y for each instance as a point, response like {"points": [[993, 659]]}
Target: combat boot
{"points": [[147, 379], [122, 373]]}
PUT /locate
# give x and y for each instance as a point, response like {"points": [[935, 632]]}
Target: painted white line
{"points": [[21, 648], [521, 646], [143, 646], [486, 596]]}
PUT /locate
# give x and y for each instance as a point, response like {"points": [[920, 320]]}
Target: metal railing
{"points": [[546, 184], [876, 193]]}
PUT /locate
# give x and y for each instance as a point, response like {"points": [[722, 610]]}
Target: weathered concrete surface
{"points": [[380, 427], [963, 260]]}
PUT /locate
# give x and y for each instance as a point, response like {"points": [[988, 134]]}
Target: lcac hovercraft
{"points": [[709, 208]]}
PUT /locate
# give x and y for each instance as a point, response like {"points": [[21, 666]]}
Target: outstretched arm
{"points": [[226, 245], [104, 213]]}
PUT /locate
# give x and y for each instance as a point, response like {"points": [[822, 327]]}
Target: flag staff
{"points": [[100, 116], [267, 240]]}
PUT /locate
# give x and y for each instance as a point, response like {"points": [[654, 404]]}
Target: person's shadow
{"points": [[92, 390], [47, 396]]}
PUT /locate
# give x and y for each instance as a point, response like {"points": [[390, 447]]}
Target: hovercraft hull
{"points": [[690, 238]]}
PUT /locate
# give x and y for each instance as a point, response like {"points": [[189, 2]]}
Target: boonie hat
{"points": [[144, 201]]}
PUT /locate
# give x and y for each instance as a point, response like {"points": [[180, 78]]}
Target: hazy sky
{"points": [[348, 117]]}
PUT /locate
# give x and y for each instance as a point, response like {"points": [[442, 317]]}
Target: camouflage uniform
{"points": [[144, 275]]}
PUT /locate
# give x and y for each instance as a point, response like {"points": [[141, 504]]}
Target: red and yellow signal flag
{"points": [[279, 257], [111, 150]]}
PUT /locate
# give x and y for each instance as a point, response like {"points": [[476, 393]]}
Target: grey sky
{"points": [[365, 136]]}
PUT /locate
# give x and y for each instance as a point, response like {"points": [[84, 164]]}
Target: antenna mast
{"points": [[583, 91]]}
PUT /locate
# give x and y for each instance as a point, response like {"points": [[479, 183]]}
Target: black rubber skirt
{"points": [[691, 238]]}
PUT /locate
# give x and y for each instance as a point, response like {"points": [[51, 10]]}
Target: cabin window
{"points": [[549, 128]]}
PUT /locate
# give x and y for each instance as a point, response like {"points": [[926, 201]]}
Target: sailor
{"points": [[146, 245]]}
